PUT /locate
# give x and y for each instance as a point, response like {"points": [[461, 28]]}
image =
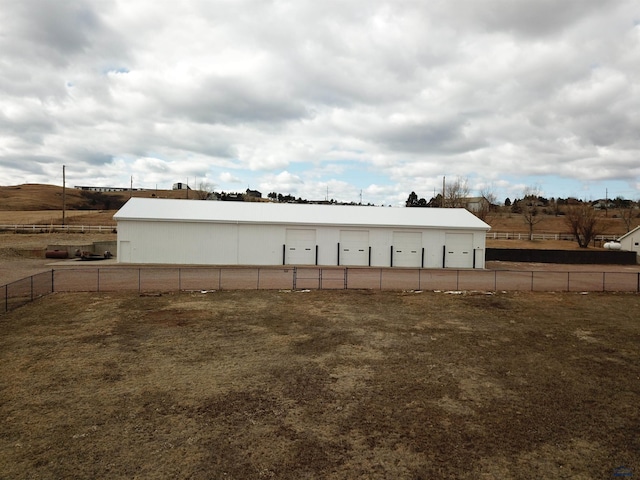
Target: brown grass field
{"points": [[321, 384], [44, 202], [316, 384]]}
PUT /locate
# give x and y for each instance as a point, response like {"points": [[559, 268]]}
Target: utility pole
{"points": [[443, 190], [64, 198], [131, 188]]}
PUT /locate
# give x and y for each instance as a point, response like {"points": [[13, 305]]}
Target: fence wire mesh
{"points": [[147, 279]]}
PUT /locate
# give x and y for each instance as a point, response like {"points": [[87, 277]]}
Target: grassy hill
{"points": [[33, 196], [100, 207]]}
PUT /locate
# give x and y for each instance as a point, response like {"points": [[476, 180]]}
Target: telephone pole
{"points": [[64, 198], [443, 191]]}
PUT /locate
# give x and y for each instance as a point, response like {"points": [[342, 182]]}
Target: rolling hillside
{"points": [[97, 208]]}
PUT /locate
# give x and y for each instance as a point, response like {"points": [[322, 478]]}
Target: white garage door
{"points": [[354, 247], [407, 249], [459, 250], [300, 248]]}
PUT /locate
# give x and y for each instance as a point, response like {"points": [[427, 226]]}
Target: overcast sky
{"points": [[324, 98]]}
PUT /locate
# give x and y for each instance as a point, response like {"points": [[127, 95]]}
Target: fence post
{"points": [[603, 281], [52, 281], [568, 282], [98, 280], [258, 282], [532, 281], [31, 287]]}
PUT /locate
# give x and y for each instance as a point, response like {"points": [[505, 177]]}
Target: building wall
{"points": [[631, 242], [256, 244]]}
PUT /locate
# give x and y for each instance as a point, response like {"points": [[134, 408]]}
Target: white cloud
{"points": [[381, 96]]}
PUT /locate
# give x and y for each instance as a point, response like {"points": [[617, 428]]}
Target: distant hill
{"points": [[33, 196]]}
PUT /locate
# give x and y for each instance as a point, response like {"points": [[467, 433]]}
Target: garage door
{"points": [[354, 247], [300, 248], [458, 250], [407, 249]]}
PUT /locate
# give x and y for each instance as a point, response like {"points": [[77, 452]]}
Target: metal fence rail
{"points": [[152, 279]]}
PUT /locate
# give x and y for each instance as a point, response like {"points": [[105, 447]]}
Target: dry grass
{"points": [[331, 385], [34, 197], [29, 197]]}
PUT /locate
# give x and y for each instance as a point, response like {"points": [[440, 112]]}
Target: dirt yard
{"points": [[331, 385], [22, 255]]}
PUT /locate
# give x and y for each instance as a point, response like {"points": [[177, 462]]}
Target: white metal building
{"points": [[630, 241], [165, 231]]}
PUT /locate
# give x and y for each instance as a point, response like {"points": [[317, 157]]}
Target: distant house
{"points": [[181, 186], [475, 204], [105, 189], [603, 204], [253, 193]]}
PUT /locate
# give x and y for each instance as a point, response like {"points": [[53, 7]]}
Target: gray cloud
{"points": [[269, 93]]}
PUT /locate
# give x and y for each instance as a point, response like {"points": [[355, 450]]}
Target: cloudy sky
{"points": [[340, 99]]}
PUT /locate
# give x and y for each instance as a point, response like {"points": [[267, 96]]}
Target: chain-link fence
{"points": [[150, 279], [26, 290]]}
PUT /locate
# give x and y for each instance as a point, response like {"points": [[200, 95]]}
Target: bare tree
{"points": [[554, 206], [205, 189], [456, 192], [487, 205], [628, 214], [584, 223], [531, 213]]}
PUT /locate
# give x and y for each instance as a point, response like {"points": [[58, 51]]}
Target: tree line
{"points": [[581, 217]]}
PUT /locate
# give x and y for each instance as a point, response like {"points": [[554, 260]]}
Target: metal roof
{"points": [[629, 233], [170, 210]]}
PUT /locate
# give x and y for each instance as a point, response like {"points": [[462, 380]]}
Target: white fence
{"points": [[112, 228], [542, 236], [57, 228]]}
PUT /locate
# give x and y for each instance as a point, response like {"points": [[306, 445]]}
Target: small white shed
{"points": [[630, 241], [166, 231]]}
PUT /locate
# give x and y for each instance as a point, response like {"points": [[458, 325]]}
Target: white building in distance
{"points": [[630, 241], [194, 232]]}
